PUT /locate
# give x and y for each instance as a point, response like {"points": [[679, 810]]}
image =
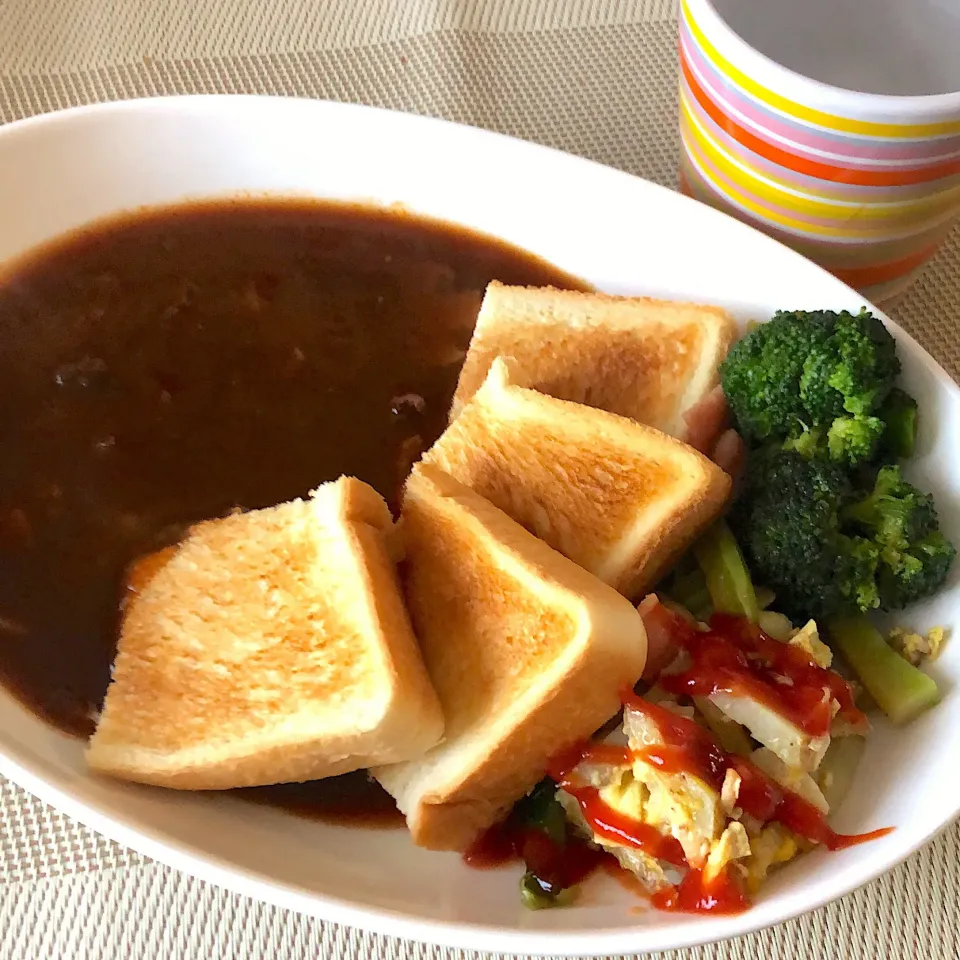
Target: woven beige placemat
{"points": [[595, 77]]}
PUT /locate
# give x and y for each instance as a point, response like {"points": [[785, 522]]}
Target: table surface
{"points": [[594, 77]]}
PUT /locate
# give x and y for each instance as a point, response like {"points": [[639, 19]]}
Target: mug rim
{"points": [[908, 106]]}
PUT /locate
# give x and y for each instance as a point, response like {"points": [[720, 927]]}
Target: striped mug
{"points": [[865, 183]]}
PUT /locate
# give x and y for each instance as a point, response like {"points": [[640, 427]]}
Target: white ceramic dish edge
{"points": [[525, 160]]}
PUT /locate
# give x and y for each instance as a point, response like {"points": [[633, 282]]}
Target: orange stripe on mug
{"points": [[812, 168], [860, 277]]}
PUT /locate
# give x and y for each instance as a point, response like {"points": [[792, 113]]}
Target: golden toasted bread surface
{"points": [[527, 651], [650, 360], [619, 498], [272, 645]]}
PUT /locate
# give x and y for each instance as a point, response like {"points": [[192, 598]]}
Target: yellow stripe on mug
{"points": [[736, 192], [806, 113], [761, 184]]}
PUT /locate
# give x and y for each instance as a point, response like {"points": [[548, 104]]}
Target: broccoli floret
{"points": [[848, 440], [826, 553], [787, 521], [914, 557], [851, 371], [805, 370], [895, 512], [854, 440], [857, 560], [919, 572], [899, 414], [761, 373], [809, 442]]}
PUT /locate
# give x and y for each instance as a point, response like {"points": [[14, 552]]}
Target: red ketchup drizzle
{"points": [[689, 748], [737, 657], [559, 865], [603, 819], [693, 894]]}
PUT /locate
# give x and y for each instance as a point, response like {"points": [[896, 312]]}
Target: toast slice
{"points": [[270, 646], [650, 360], [527, 651], [621, 499]]}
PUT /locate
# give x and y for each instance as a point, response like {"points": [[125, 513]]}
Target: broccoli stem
{"points": [[899, 688], [725, 571]]}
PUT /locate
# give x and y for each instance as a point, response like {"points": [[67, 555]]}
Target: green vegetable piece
{"points": [[541, 809], [791, 378], [852, 371], [765, 597], [809, 442], [898, 687], [856, 572], [786, 521], [532, 895], [914, 556], [730, 734], [776, 625], [848, 440], [827, 554], [726, 574], [761, 373], [837, 770], [899, 414], [854, 440], [917, 573], [535, 895]]}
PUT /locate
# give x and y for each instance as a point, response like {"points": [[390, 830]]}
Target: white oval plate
{"points": [[624, 235]]}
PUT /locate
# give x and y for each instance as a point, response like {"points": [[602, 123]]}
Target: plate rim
{"points": [[497, 938]]}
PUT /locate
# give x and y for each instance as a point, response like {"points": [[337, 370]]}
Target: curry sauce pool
{"points": [[173, 364]]}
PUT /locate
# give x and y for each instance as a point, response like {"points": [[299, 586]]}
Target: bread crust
{"points": [[527, 651], [270, 646], [621, 499], [647, 359]]}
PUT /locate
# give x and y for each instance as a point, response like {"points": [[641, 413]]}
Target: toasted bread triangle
{"points": [[619, 498], [271, 646], [527, 651], [650, 360]]}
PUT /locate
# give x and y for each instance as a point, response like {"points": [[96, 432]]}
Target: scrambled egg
{"points": [[915, 647], [709, 825], [732, 845], [677, 804], [620, 791], [769, 845], [807, 638]]}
